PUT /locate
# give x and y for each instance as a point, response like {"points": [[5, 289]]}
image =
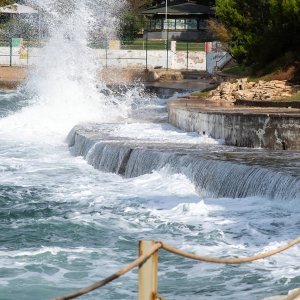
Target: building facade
{"points": [[179, 20]]}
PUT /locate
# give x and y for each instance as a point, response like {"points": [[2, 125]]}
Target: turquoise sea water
{"points": [[65, 225]]}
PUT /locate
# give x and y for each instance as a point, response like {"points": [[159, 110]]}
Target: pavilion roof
{"points": [[17, 9], [180, 9]]}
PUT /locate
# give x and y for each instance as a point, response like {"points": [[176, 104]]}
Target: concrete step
{"points": [[194, 74]]}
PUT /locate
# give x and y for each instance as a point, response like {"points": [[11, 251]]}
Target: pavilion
{"points": [[179, 20], [18, 11]]}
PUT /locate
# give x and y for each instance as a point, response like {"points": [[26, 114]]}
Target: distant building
{"points": [[182, 20]]}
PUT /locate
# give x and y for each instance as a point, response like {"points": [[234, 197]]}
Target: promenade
{"points": [[11, 77]]}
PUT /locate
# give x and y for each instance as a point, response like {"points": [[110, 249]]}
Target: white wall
{"points": [[123, 58], [155, 58], [196, 60], [16, 59], [217, 60]]}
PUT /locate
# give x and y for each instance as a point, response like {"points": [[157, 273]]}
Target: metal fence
{"points": [[18, 52], [152, 53], [140, 52]]}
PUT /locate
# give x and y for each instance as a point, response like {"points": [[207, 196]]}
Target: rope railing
{"points": [[149, 248], [231, 260], [293, 295], [139, 261]]}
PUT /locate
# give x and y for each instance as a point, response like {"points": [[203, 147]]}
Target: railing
{"points": [[139, 53], [148, 267], [18, 52], [222, 61]]}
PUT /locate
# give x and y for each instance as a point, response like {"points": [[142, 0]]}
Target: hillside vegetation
{"points": [[262, 35]]}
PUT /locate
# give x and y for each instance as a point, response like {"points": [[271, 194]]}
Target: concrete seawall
{"points": [[213, 171], [272, 128]]}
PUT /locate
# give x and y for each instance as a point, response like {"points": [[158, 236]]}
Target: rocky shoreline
{"points": [[242, 89]]}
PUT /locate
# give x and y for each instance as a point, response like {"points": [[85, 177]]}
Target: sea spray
{"points": [[63, 87]]}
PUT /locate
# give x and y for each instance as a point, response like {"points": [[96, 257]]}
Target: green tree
{"points": [[6, 2], [285, 22], [5, 19], [15, 25], [131, 24], [138, 5], [260, 30], [246, 21]]}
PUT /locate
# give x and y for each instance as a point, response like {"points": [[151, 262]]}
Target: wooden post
{"points": [[148, 273]]}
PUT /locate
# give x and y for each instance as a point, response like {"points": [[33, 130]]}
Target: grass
{"points": [[235, 70], [204, 93], [294, 98], [140, 44], [200, 94]]}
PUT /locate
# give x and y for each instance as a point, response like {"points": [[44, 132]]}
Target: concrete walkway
{"points": [[229, 108], [11, 77], [189, 85]]}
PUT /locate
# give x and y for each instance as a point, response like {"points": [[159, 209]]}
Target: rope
{"points": [[293, 295], [143, 258], [139, 261], [230, 260]]}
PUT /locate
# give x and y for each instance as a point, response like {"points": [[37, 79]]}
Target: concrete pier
{"points": [[254, 127]]}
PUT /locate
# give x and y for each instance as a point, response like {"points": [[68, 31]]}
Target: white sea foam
{"points": [[150, 132], [45, 250]]}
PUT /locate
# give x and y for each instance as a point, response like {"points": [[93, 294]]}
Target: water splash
{"points": [[64, 87]]}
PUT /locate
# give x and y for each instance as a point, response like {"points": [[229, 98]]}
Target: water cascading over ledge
{"points": [[213, 176]]}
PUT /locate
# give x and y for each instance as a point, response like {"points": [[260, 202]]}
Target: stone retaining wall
{"points": [[242, 127]]}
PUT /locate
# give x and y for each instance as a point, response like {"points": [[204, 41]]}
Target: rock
{"points": [[242, 89], [152, 76]]}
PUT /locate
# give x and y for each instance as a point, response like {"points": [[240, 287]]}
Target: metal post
{"points": [[167, 47], [148, 273], [106, 54], [167, 33], [187, 43], [10, 52], [205, 49], [147, 49], [39, 20], [187, 51], [27, 56]]}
